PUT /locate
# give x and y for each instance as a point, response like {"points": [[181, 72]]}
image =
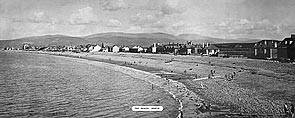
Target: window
{"points": [[264, 51]]}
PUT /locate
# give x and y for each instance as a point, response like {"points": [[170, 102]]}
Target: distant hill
{"points": [[195, 38], [46, 40], [130, 39], [247, 40], [117, 38]]}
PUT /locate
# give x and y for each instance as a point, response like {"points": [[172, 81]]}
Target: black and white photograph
{"points": [[147, 58]]}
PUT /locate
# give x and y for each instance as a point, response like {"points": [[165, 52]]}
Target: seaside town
{"points": [[282, 51], [147, 58]]}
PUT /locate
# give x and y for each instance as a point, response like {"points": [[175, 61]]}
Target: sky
{"points": [[261, 19]]}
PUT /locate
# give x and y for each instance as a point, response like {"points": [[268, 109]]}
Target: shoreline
{"points": [[142, 75], [189, 103], [137, 61]]}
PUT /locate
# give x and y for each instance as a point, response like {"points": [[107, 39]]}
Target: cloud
{"points": [[114, 23], [134, 29], [34, 17], [144, 19], [166, 7], [172, 7], [83, 16], [6, 30], [112, 5], [248, 28]]}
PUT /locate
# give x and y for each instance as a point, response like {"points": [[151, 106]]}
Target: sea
{"points": [[40, 85]]}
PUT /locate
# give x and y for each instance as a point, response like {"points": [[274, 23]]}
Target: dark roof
{"points": [[235, 45], [212, 47], [268, 41], [282, 44], [289, 39]]}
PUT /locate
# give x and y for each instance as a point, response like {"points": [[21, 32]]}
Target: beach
{"points": [[258, 87], [34, 85]]}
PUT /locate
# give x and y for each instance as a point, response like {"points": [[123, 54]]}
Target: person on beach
{"points": [[286, 110], [180, 114], [232, 76], [225, 76], [213, 72], [292, 111], [229, 76], [203, 107], [209, 76], [208, 107]]}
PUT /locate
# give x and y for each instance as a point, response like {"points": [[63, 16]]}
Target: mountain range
{"points": [[118, 38]]}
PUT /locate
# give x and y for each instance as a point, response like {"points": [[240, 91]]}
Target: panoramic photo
{"points": [[147, 58]]}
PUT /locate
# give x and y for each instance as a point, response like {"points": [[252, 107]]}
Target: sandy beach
{"points": [[258, 87]]}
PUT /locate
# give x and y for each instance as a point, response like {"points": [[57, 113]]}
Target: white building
{"points": [[125, 49], [140, 49], [189, 51], [137, 48], [90, 48], [154, 49], [115, 49], [96, 48]]}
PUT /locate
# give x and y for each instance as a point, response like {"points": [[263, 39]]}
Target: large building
{"points": [[266, 49], [230, 49], [286, 48]]}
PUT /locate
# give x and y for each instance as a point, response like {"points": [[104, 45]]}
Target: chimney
{"points": [[293, 36]]}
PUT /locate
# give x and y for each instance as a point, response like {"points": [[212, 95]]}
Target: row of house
{"points": [[264, 49]]}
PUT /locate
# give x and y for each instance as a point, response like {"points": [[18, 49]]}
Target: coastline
{"points": [[183, 85], [190, 104], [174, 88]]}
